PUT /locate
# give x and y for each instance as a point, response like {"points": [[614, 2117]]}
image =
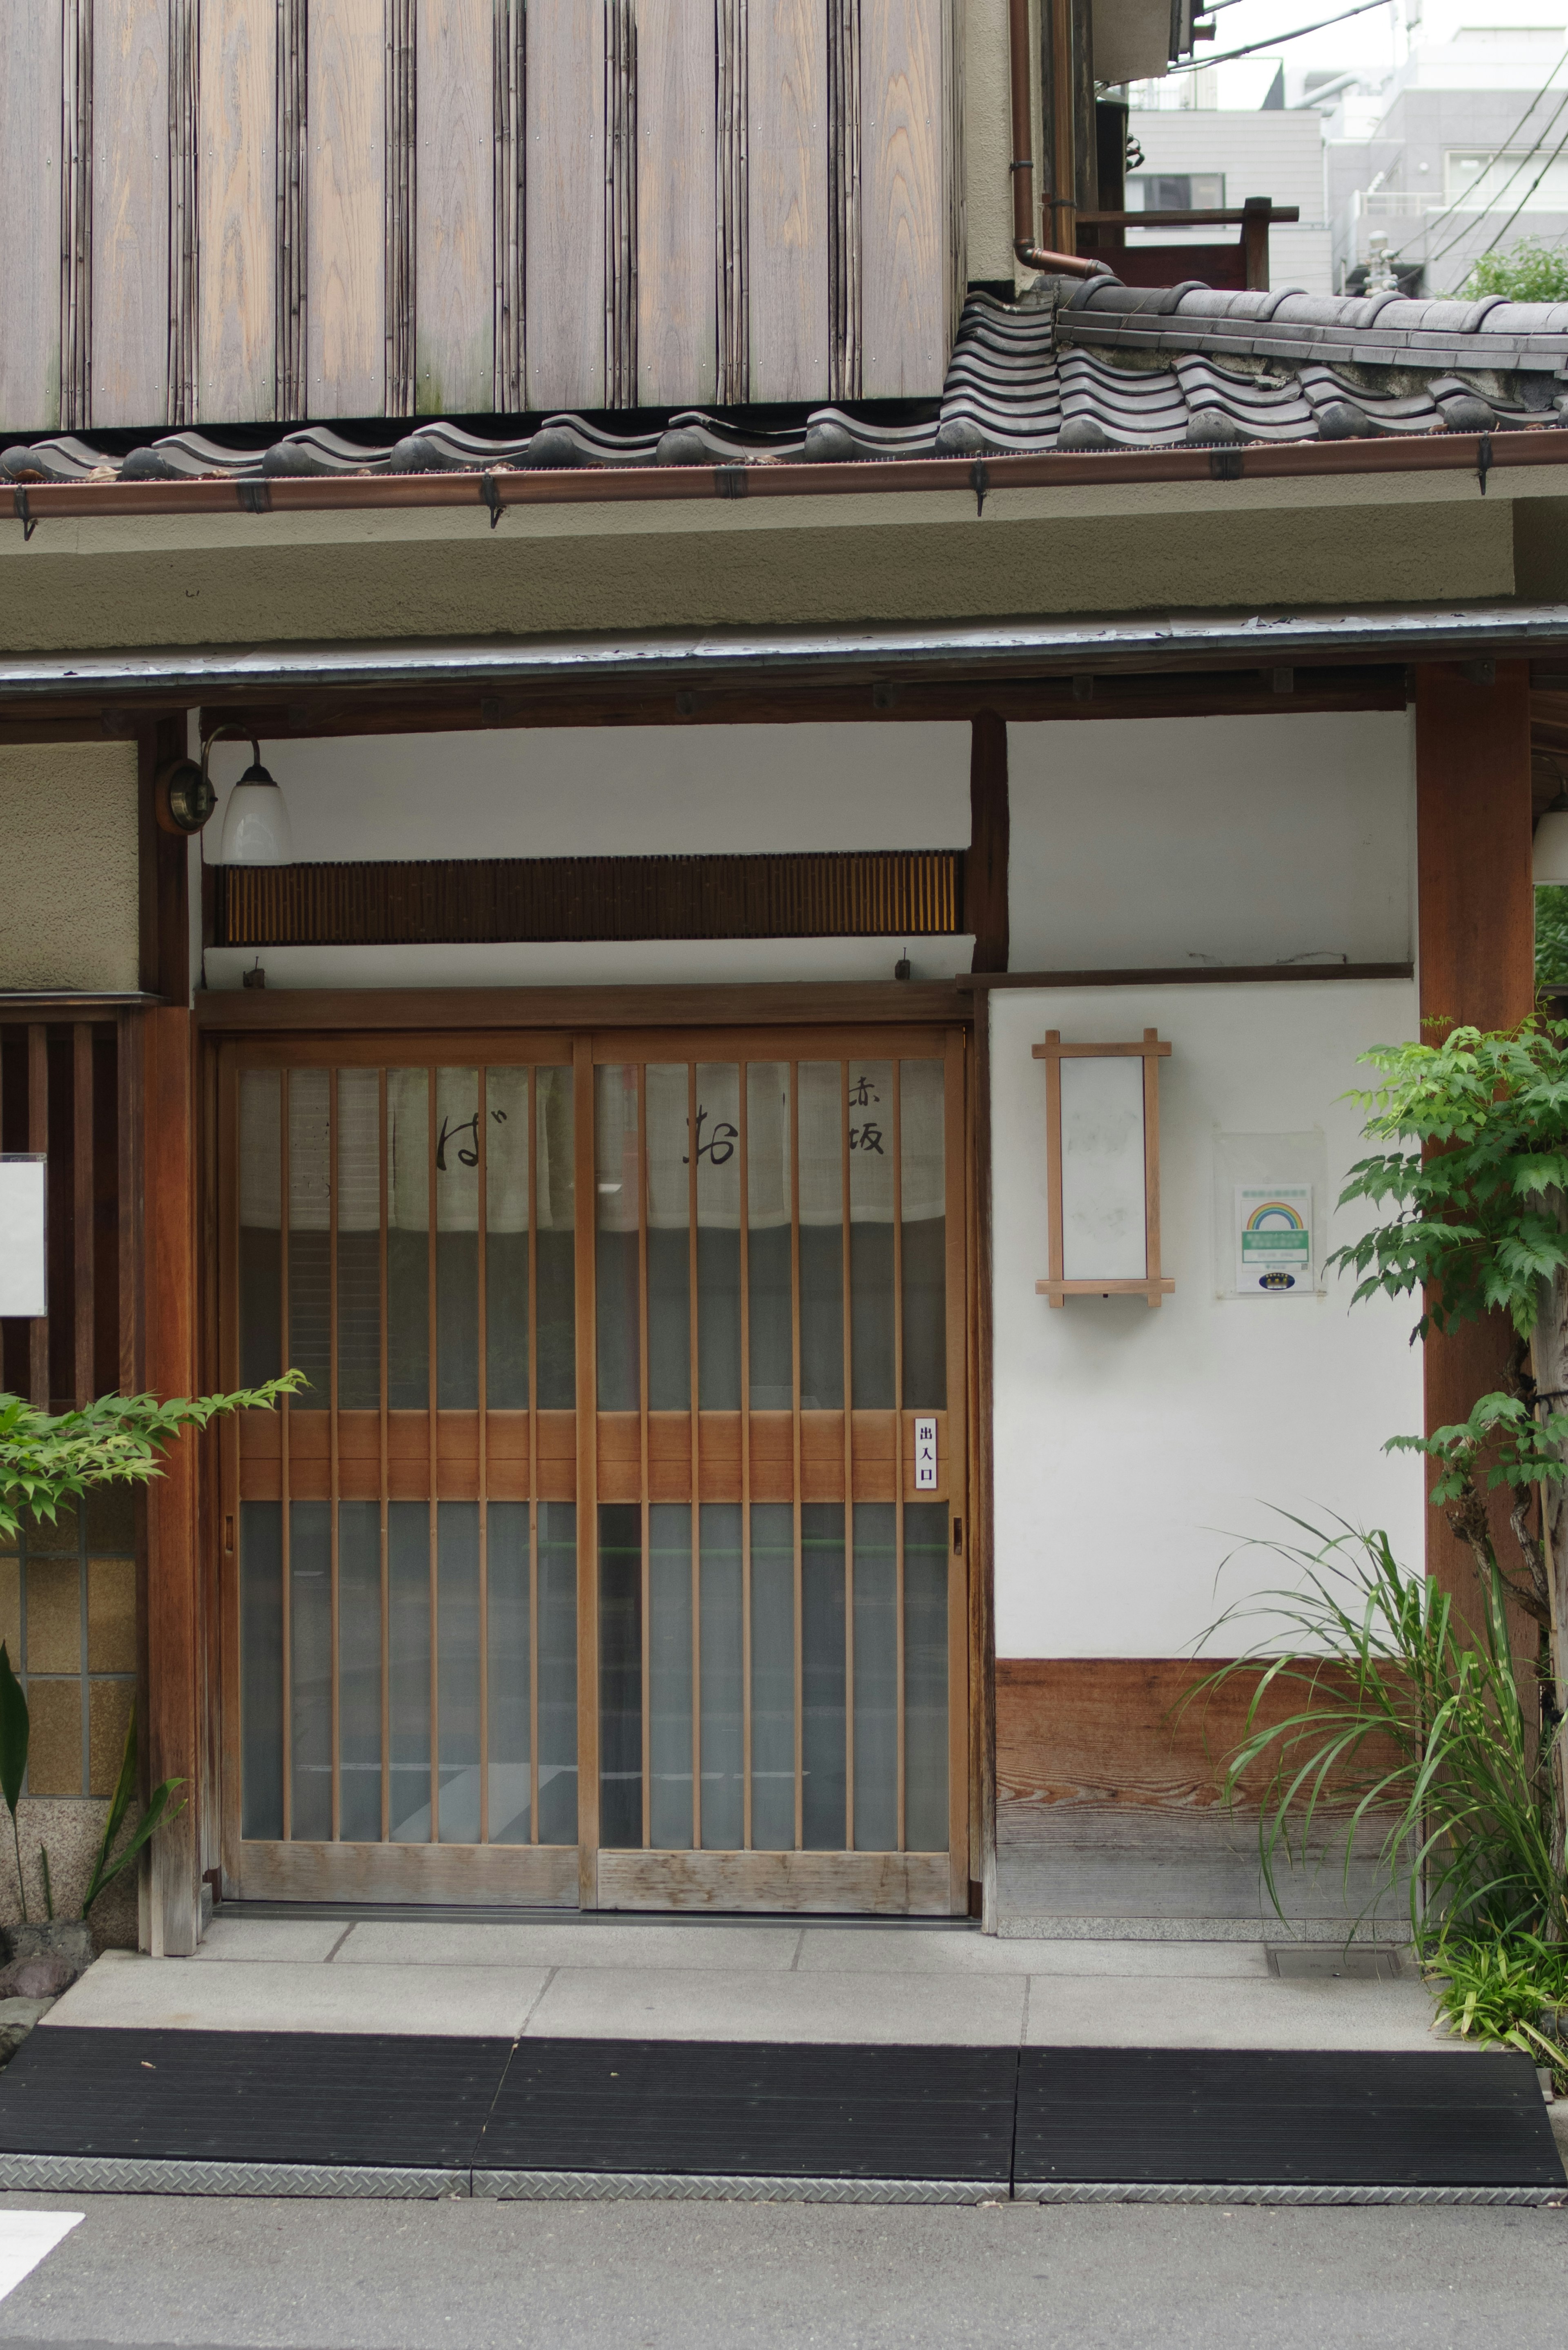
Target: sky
{"points": [[1372, 43]]}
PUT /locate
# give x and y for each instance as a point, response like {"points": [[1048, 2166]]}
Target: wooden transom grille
{"points": [[592, 1565], [883, 893]]}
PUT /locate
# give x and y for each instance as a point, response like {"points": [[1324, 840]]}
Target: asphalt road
{"points": [[251, 2275]]}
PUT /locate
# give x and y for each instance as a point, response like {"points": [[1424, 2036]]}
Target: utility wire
{"points": [[1464, 228], [1276, 40], [1528, 193], [1497, 153]]}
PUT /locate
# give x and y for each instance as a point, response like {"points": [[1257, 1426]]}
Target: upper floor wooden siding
{"points": [[270, 210]]}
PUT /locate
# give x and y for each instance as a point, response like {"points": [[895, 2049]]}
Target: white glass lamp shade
{"points": [[255, 822], [1552, 845]]}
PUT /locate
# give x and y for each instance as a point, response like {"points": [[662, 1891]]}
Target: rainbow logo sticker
{"points": [[1273, 1234]]}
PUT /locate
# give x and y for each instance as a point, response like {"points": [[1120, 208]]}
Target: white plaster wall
{"points": [[1134, 1446], [69, 878], [1145, 843]]}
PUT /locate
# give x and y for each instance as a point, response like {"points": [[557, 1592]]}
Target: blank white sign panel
{"points": [[1103, 1223], [21, 1236]]}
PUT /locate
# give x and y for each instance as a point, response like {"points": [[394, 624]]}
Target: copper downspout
{"points": [[1032, 256]]}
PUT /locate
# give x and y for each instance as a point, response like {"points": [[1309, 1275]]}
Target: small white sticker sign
{"points": [[925, 1456], [1273, 1239], [22, 1264]]}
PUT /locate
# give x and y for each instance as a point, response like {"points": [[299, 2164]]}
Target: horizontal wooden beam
{"points": [[1184, 975], [433, 1010]]}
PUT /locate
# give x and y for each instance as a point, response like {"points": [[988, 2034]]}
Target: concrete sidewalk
{"points": [[773, 1980]]}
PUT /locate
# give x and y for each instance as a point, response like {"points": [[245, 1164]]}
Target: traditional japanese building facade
{"points": [[761, 674]]}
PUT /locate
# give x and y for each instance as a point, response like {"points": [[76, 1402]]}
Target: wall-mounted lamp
{"points": [[1102, 1150], [1550, 863], [255, 822]]}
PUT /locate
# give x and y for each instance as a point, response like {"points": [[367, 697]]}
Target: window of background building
{"points": [[1175, 192]]}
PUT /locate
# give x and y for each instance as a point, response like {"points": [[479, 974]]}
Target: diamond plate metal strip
{"points": [[715, 2187], [1084, 2191], [88, 2174]]}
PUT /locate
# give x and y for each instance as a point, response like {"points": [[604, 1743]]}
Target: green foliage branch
{"points": [[47, 1460]]}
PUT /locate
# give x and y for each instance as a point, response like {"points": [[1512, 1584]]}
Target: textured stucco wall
{"points": [[521, 581], [69, 873], [69, 1829]]}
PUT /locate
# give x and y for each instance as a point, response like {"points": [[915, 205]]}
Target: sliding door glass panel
{"points": [[669, 1184], [822, 1134], [408, 1239], [870, 1108], [669, 1676], [457, 1669], [508, 1660], [923, 1183], [822, 1675], [310, 1670], [718, 1236], [309, 1237], [620, 1674], [409, 1645], [926, 1676], [723, 1684], [555, 1309], [457, 1238], [773, 1677], [617, 1239], [359, 1243], [260, 1264], [505, 1128], [768, 1245], [261, 1669], [557, 1672], [359, 1670], [876, 1677]]}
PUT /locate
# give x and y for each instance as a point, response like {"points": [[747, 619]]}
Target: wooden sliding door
{"points": [[615, 1554]]}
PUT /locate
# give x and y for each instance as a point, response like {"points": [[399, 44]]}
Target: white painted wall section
{"points": [[1135, 1446], [1141, 845]]}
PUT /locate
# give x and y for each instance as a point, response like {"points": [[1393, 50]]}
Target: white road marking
{"points": [[28, 2236]]}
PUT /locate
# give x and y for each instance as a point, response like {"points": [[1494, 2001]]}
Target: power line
{"points": [[1528, 193], [1495, 157], [1460, 232], [1277, 40]]}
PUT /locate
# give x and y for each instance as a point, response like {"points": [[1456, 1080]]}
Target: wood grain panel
{"points": [[489, 1876], [408, 1455], [29, 191], [130, 214], [236, 186], [787, 250], [455, 210], [773, 1456], [903, 212], [563, 232], [677, 204], [345, 290], [881, 1884]]}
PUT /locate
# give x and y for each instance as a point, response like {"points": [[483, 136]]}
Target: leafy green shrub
{"points": [[1529, 271], [1552, 937], [1503, 1990]]}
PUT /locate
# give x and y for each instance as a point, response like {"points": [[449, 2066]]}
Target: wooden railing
{"points": [[1102, 236]]}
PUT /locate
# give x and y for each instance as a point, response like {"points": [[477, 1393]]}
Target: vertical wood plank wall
{"points": [[467, 271], [236, 210]]}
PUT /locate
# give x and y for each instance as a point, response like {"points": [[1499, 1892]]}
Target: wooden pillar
{"points": [[170, 1741], [1477, 955], [985, 867]]}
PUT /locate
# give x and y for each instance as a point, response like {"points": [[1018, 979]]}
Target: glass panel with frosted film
{"points": [[557, 1672], [457, 1242], [723, 1678], [770, 1302], [719, 1236], [261, 1669], [821, 1114], [261, 1219], [309, 1237], [506, 1240], [359, 1242], [620, 1674], [876, 1678], [922, 1175], [457, 1669], [359, 1668], [554, 1264], [869, 1105], [1104, 1236], [616, 1149], [822, 1675], [507, 1662], [925, 1677], [669, 1241], [670, 1675], [310, 1669], [773, 1677], [409, 1664], [408, 1239]]}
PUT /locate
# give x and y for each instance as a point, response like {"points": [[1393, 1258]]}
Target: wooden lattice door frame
{"points": [[489, 1454]]}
